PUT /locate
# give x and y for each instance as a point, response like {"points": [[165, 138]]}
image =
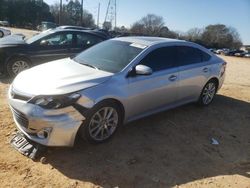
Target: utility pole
{"points": [[81, 12], [60, 13], [98, 15], [115, 13]]}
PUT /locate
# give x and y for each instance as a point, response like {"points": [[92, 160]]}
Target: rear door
{"points": [[55, 46], [84, 40], [194, 70], [151, 92]]}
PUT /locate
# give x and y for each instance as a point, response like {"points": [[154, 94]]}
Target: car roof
{"points": [[100, 34], [74, 27], [147, 41]]}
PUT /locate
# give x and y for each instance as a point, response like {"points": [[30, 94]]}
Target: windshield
{"points": [[111, 56], [37, 37]]}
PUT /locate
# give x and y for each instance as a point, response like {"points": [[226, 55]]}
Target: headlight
{"points": [[55, 102]]}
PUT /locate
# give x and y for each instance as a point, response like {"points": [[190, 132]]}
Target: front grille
{"points": [[20, 118]]}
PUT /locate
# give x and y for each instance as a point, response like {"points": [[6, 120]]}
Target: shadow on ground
{"points": [[167, 149], [5, 80]]}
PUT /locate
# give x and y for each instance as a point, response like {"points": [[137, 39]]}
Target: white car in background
{"points": [[4, 32]]}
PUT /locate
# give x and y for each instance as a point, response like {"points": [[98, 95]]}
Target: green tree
{"points": [[71, 14], [24, 12], [220, 36]]}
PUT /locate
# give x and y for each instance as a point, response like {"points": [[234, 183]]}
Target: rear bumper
{"points": [[46, 127]]}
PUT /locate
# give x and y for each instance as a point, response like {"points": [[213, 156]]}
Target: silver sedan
{"points": [[112, 83]]}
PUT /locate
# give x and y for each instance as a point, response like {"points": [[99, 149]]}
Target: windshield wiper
{"points": [[86, 64], [92, 66]]}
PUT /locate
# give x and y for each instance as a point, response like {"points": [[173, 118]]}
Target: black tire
{"points": [[1, 34], [202, 101], [12, 62], [84, 130]]}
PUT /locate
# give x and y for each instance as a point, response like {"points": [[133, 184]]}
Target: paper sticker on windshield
{"points": [[138, 45]]}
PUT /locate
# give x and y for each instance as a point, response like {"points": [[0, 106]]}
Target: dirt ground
{"points": [[28, 33], [170, 149]]}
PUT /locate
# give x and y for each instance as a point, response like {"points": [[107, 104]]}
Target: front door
{"points": [[152, 92], [84, 41], [52, 47]]}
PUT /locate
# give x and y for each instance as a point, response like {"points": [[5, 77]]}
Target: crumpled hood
{"points": [[58, 77]]}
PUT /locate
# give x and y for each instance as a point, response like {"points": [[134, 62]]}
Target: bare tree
{"points": [[137, 28], [194, 35], [151, 24]]}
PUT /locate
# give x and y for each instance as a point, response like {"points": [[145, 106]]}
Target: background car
{"points": [[103, 32], [46, 25], [212, 50], [247, 54], [4, 23], [4, 32], [17, 54], [235, 53], [240, 54], [222, 51]]}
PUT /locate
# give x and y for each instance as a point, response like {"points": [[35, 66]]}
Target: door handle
{"points": [[205, 69], [172, 78]]}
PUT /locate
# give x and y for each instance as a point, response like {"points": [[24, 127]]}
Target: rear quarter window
{"points": [[190, 55], [86, 39], [205, 56]]}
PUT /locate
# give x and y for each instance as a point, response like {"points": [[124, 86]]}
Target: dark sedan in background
{"points": [[17, 54]]}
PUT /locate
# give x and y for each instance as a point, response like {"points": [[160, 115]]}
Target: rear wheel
{"points": [[17, 65], [208, 93], [102, 122]]}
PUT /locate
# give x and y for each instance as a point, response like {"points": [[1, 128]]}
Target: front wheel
{"points": [[208, 93], [17, 65], [101, 123]]}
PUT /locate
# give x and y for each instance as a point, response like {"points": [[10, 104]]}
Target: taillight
{"points": [[223, 68]]}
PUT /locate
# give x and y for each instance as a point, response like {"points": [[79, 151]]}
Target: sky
{"points": [[179, 15]]}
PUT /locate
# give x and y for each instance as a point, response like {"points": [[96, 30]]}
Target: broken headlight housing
{"points": [[56, 101]]}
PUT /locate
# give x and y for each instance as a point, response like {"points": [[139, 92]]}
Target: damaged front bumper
{"points": [[48, 127]]}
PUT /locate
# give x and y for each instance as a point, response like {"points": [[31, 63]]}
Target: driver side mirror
{"points": [[143, 70]]}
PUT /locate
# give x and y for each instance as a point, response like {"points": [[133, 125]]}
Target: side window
{"points": [[205, 56], [85, 39], [160, 59], [59, 39], [189, 55]]}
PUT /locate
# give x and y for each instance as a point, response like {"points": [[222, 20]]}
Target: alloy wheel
{"points": [[19, 66], [103, 123], [208, 93]]}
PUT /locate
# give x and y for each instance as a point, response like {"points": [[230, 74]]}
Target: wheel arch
{"points": [[13, 57], [216, 80], [17, 56], [116, 101]]}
